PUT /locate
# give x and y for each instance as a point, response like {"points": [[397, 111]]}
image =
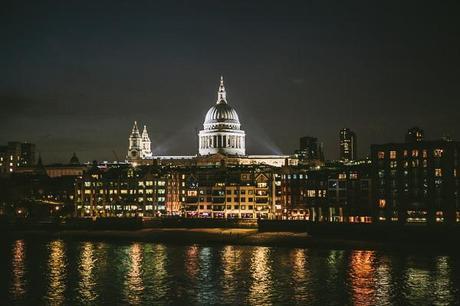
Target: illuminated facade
{"points": [[139, 145], [243, 192], [127, 192], [222, 133]]}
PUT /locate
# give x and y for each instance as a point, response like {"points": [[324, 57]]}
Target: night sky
{"points": [[76, 74]]}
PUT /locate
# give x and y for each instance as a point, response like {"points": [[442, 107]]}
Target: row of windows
{"points": [[228, 207], [414, 153]]}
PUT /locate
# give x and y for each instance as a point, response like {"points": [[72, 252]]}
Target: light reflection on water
{"points": [[300, 275], [87, 273], [362, 277], [18, 269], [260, 273], [56, 272], [134, 285], [86, 266]]}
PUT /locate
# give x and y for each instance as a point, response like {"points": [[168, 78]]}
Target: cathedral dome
{"points": [[221, 115], [221, 133]]}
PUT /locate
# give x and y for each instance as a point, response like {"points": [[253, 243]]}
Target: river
{"points": [[68, 272]]}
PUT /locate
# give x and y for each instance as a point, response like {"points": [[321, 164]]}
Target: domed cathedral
{"points": [[221, 129]]}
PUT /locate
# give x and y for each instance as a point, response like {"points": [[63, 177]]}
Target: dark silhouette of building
{"points": [[333, 193], [348, 145], [415, 134], [16, 154], [417, 181], [74, 159], [310, 150]]}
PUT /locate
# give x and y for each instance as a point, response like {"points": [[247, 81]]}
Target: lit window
{"points": [[414, 153], [192, 193], [438, 152], [381, 155], [382, 203], [438, 172], [392, 154]]}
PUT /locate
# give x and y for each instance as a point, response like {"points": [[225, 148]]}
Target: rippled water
{"points": [[99, 273]]}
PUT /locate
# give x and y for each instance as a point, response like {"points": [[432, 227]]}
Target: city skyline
{"points": [[82, 73]]}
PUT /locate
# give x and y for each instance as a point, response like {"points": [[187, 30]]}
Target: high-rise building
{"points": [[310, 150], [16, 154], [415, 134], [348, 145], [221, 129]]}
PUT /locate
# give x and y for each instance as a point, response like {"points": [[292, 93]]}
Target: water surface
{"points": [[62, 272]]}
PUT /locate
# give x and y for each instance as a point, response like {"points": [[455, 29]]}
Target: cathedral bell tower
{"points": [[146, 151], [134, 149]]}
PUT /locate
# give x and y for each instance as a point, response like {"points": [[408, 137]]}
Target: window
{"points": [[311, 193], [438, 152], [382, 203], [235, 199], [251, 199], [342, 176], [414, 153], [438, 172], [392, 154], [393, 164], [229, 199], [381, 155], [261, 185], [243, 199]]}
